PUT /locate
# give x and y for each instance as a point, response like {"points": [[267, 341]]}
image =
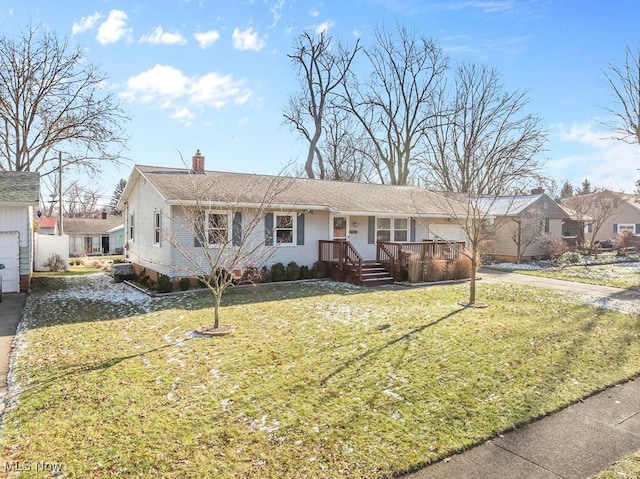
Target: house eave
{"points": [[249, 205], [18, 203]]}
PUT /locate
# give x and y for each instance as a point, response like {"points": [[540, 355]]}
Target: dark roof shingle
{"points": [[180, 186], [20, 187]]}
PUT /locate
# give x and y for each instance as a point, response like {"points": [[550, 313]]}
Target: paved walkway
{"points": [[10, 315], [577, 442]]}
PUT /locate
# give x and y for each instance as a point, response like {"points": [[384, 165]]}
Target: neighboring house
{"points": [[301, 219], [116, 239], [19, 195], [48, 225], [624, 216], [520, 222], [91, 236]]}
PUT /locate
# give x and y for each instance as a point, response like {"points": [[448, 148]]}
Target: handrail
{"points": [[343, 253], [352, 257], [387, 257]]}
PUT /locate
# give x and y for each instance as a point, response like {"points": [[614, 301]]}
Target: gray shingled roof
{"points": [[517, 204], [20, 187], [507, 205], [179, 186], [91, 226]]}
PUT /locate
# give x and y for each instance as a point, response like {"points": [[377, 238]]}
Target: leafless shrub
{"points": [[55, 263]]}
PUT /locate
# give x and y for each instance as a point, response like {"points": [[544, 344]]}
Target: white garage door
{"points": [[447, 232], [10, 258]]}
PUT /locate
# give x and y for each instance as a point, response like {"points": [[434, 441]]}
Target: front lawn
{"points": [[319, 380], [619, 275]]}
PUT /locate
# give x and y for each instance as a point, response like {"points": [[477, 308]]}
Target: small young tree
{"points": [[217, 237], [529, 229], [591, 212]]}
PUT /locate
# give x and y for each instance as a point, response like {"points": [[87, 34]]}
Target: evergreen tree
{"points": [[585, 188], [117, 193], [567, 190]]}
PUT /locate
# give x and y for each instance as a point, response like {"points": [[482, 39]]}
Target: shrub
{"points": [[265, 274], [164, 284], [304, 272], [461, 268], [553, 248], [143, 280], [184, 284], [251, 274], [624, 240], [435, 269], [278, 272], [318, 270], [570, 257], [55, 262], [293, 271]]}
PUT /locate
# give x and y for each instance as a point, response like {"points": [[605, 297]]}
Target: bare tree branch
{"points": [[321, 68], [396, 105], [52, 99]]}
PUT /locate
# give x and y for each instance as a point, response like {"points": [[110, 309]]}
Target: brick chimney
{"points": [[197, 163], [537, 191], [104, 214]]}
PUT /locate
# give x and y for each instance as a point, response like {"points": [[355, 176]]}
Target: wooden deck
{"points": [[345, 263]]}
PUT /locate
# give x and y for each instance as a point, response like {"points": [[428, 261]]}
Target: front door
{"points": [[340, 228]]}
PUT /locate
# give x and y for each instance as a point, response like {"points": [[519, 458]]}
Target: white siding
{"points": [[143, 202], [18, 218]]}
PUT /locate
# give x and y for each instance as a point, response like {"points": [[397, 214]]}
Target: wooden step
{"points": [[374, 274]]}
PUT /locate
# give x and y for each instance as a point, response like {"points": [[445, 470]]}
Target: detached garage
{"points": [[10, 258], [19, 196]]}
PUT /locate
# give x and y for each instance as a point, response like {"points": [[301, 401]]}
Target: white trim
{"points": [[294, 227]]}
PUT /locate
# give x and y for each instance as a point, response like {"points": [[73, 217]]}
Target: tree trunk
{"points": [[216, 310], [472, 280]]}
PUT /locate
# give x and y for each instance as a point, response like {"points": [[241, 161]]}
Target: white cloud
{"points": [[593, 155], [206, 39], [183, 115], [86, 23], [314, 13], [324, 26], [161, 83], [247, 40], [114, 28], [167, 87], [159, 36], [275, 12], [218, 90]]}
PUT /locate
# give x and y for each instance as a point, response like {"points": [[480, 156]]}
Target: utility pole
{"points": [[60, 189]]}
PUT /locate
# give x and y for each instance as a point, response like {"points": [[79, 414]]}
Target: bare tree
{"points": [[396, 105], [487, 144], [529, 229], [484, 147], [52, 99], [81, 201], [343, 149], [592, 211], [230, 235], [625, 85], [321, 67]]}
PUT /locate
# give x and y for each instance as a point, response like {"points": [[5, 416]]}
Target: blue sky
{"points": [[214, 75]]}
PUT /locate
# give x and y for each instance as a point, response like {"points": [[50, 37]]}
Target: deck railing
{"points": [[396, 255], [344, 255]]}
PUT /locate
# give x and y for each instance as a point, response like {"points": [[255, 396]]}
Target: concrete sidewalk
{"points": [[577, 442], [10, 315]]}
